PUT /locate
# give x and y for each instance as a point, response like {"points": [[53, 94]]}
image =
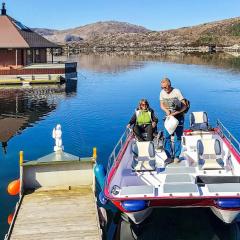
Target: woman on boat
{"points": [[143, 121]]}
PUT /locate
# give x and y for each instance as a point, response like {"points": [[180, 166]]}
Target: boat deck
{"points": [[184, 179], [57, 214]]}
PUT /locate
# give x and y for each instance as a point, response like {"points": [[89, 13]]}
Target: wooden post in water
{"points": [[21, 158], [16, 55], [21, 172], [94, 154], [52, 54]]}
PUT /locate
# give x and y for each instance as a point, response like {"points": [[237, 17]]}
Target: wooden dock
{"points": [[24, 80], [48, 73], [57, 200]]}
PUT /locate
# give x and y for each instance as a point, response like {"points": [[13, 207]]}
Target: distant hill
{"points": [[225, 33], [90, 31], [45, 31], [114, 34]]}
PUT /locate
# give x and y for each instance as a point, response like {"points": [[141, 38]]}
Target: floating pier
{"points": [[57, 199], [48, 73]]}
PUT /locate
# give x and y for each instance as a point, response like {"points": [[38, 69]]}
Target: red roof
{"points": [[15, 35]]}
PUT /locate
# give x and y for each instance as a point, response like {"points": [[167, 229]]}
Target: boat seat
{"points": [[143, 156], [131, 180], [179, 178], [145, 190], [180, 188], [179, 170], [199, 121], [223, 187], [209, 154]]}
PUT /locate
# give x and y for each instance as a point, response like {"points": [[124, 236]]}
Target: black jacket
{"points": [[133, 119]]}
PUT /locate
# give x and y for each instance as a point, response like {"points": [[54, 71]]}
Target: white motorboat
{"points": [[139, 179]]}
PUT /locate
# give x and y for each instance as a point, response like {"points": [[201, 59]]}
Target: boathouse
{"points": [[19, 45], [24, 55]]}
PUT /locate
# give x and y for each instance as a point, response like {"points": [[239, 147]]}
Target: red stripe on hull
{"points": [[165, 203]]}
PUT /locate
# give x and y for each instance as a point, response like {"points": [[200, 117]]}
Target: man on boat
{"points": [[172, 103], [144, 121]]}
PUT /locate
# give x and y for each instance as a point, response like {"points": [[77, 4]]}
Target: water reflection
{"points": [[119, 62], [22, 107], [108, 63], [219, 60]]}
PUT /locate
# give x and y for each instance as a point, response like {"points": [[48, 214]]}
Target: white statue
{"points": [[57, 135]]}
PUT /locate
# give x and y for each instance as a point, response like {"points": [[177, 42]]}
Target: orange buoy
{"points": [[14, 187], [10, 218]]}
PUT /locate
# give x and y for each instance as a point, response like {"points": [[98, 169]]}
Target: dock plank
{"points": [[64, 214]]}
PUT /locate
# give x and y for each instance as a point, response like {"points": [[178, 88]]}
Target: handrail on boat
{"points": [[224, 132], [114, 155]]}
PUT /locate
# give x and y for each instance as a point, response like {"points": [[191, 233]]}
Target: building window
{"points": [[29, 57]]}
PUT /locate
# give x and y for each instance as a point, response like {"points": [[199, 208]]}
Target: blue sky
{"points": [[152, 14]]}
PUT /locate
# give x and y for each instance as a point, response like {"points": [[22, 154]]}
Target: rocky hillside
{"points": [[225, 33], [90, 31], [112, 35], [45, 31]]}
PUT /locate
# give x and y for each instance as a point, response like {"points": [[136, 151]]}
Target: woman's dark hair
{"points": [[143, 101]]}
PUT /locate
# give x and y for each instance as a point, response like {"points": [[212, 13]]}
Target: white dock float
{"points": [[57, 200]]}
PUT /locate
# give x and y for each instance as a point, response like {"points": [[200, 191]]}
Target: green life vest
{"points": [[143, 117]]}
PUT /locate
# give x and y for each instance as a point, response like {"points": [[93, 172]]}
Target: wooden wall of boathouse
{"points": [[8, 57], [23, 57]]}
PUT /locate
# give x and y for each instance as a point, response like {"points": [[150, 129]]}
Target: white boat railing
{"points": [[224, 132], [115, 153]]}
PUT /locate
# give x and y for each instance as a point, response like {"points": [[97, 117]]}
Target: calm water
{"points": [[96, 111]]}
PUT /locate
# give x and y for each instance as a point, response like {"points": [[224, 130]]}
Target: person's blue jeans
{"points": [[175, 150]]}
